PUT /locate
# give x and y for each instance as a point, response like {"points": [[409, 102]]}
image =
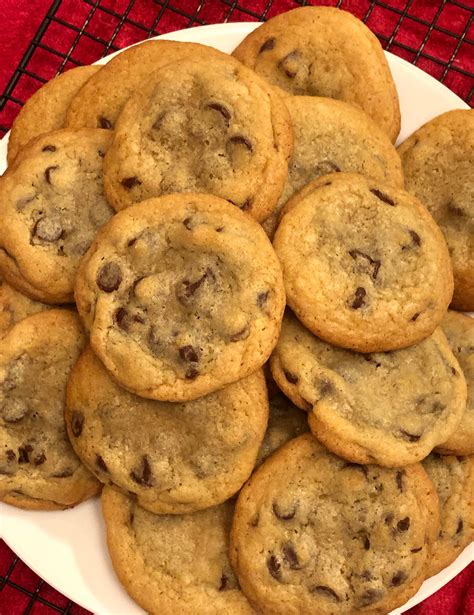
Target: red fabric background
{"points": [[20, 20]]}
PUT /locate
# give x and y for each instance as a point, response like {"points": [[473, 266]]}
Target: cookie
{"points": [[99, 102], [453, 478], [322, 51], [459, 329], [386, 408], [46, 109], [182, 295], [173, 563], [201, 125], [175, 458], [331, 136], [285, 422], [52, 204], [365, 266], [438, 162], [314, 534], [38, 467], [14, 307]]}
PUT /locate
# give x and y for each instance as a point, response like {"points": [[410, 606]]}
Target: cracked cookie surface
{"points": [[314, 534], [173, 563], [388, 408], [201, 125], [323, 51], [365, 266], [52, 203], [182, 295], [38, 467], [438, 163], [175, 458]]}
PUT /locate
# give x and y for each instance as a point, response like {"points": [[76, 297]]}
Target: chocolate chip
{"points": [[241, 140], [39, 459], [105, 123], [262, 298], [403, 524], [369, 597], [454, 209], [223, 584], [374, 263], [219, 229], [109, 277], [398, 578], [416, 550], [370, 359], [187, 223], [222, 110], [24, 453], [325, 167], [254, 521], [246, 205], [274, 567], [48, 171], [268, 45], [415, 237], [49, 148], [454, 372], [48, 229], [121, 318], [100, 463], [359, 296], [290, 557], [191, 373], [77, 422], [143, 474], [130, 182], [414, 318], [10, 455], [382, 197], [287, 64], [284, 515], [189, 353], [325, 591], [460, 526], [411, 437], [186, 289], [366, 542], [389, 518], [240, 335], [63, 473], [292, 378], [100, 153], [399, 480], [131, 518]]}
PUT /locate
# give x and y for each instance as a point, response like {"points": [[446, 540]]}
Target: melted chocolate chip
{"points": [[359, 298], [416, 550], [374, 263], [63, 474], [399, 480], [130, 182], [411, 437], [105, 123], [48, 171], [241, 140], [109, 277], [268, 45], [460, 526], [325, 591], [186, 289], [274, 567], [398, 578], [240, 335], [121, 318], [39, 459], [382, 197], [284, 515], [77, 422], [24, 453], [49, 148], [189, 353], [262, 298], [415, 237], [143, 474], [369, 597], [290, 557], [10, 455], [48, 229], [222, 110], [415, 316], [223, 583], [287, 64], [292, 378], [404, 524], [191, 373], [100, 463]]}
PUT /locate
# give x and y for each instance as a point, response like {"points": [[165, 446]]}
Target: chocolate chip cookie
{"points": [[176, 458], [388, 408], [14, 307], [453, 478], [459, 330], [314, 534], [322, 51], [52, 203], [99, 102], [182, 295], [38, 467], [438, 162], [202, 125], [365, 266], [173, 563], [331, 136], [46, 109]]}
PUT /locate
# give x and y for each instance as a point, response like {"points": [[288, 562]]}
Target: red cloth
{"points": [[19, 22]]}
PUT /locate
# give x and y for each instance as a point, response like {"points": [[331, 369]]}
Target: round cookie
{"points": [[438, 162], [173, 563], [386, 408], [99, 102], [38, 467], [52, 203], [201, 125], [15, 307], [175, 458], [459, 329], [365, 266], [322, 51], [313, 534], [453, 478], [46, 109], [333, 136], [182, 295]]}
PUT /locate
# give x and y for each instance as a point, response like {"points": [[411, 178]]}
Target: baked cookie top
{"points": [[365, 266], [175, 458], [46, 109], [51, 204], [459, 329], [313, 534], [388, 408], [323, 51], [438, 162], [14, 307], [173, 563], [182, 295], [202, 125], [38, 467]]}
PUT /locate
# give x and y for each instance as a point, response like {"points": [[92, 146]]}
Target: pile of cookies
{"points": [[250, 459]]}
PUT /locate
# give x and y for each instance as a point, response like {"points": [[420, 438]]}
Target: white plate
{"points": [[68, 549]]}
